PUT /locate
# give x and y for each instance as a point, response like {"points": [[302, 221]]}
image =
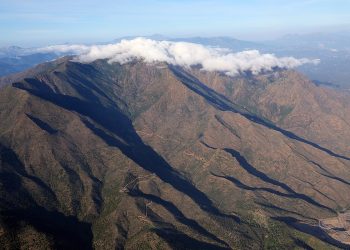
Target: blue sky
{"points": [[41, 22]]}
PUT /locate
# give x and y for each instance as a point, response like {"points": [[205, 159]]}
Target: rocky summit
{"points": [[154, 156]]}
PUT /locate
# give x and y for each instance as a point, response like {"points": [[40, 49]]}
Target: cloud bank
{"points": [[182, 54]]}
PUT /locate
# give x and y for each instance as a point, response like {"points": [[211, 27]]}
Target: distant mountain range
{"points": [[156, 156]]}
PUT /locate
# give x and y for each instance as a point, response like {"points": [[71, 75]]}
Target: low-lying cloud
{"points": [[182, 54], [75, 49]]}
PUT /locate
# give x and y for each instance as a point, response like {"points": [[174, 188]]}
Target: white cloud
{"points": [[63, 49], [180, 53]]}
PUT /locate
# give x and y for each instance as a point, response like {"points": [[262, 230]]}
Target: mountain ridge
{"points": [[157, 155]]}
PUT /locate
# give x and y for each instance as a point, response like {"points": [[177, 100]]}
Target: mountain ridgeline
{"points": [[154, 156]]}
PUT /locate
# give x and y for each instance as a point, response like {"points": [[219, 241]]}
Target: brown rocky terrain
{"points": [[139, 156], [337, 227]]}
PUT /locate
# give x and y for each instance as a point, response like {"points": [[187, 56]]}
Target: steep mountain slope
{"points": [[292, 102], [137, 156]]}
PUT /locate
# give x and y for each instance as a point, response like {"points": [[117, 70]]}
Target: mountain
{"points": [[10, 65], [15, 59], [154, 156], [223, 42], [220, 41]]}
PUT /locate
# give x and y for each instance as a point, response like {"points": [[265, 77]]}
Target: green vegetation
{"points": [[284, 112], [278, 237]]}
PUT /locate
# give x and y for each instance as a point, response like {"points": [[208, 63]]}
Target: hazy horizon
{"points": [[37, 23], [249, 37]]}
